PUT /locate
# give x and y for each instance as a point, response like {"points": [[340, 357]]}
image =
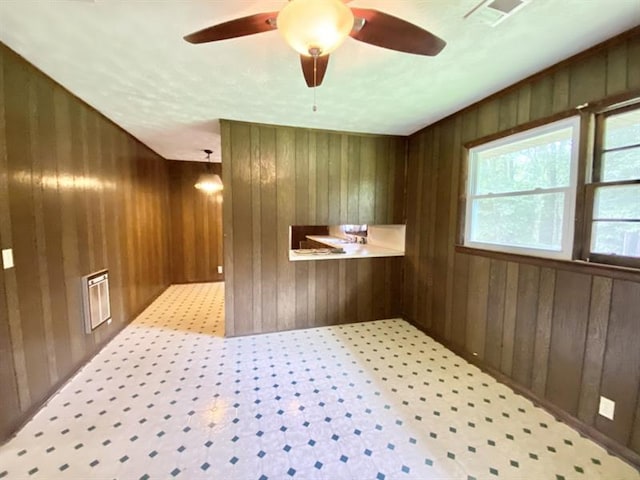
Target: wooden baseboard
{"points": [[588, 431]]}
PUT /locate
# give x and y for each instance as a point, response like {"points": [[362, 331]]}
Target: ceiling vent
{"points": [[493, 12]]}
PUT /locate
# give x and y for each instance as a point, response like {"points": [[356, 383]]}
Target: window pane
{"points": [[622, 129], [542, 161], [621, 165], [532, 221], [616, 238], [620, 202]]}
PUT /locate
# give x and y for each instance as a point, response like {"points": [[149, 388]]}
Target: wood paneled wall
{"points": [[77, 194], [566, 332], [281, 176], [196, 224]]}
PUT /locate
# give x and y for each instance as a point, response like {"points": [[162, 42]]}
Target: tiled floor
{"points": [[169, 397]]}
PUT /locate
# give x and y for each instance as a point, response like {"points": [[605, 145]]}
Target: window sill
{"points": [[580, 266]]}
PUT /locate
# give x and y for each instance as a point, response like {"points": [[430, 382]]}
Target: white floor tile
{"points": [[171, 398]]}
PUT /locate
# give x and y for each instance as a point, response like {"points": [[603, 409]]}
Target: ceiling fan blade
{"points": [[258, 23], [320, 69], [387, 31]]}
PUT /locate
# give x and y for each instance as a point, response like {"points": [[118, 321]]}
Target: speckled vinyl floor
{"points": [[170, 397]]}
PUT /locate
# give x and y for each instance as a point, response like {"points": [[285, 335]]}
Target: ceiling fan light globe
{"points": [[321, 24]]}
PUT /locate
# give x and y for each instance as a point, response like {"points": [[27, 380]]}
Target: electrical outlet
{"points": [[607, 408], [7, 258], [220, 269]]}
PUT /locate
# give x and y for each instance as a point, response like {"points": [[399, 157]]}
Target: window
{"points": [[521, 192], [614, 194]]}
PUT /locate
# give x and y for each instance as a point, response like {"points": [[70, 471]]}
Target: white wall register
{"points": [[95, 299]]}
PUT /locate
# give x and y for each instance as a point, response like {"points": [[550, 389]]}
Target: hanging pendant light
{"points": [[209, 182]]}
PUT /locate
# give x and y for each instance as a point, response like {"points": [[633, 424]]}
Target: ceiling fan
{"points": [[315, 28]]}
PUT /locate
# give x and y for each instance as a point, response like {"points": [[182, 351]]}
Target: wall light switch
{"points": [[7, 258], [220, 269], [607, 408]]}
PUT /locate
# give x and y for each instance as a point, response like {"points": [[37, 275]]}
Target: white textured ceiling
{"points": [[129, 61]]}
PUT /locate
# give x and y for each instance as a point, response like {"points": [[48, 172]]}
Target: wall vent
{"points": [[95, 299], [494, 12]]}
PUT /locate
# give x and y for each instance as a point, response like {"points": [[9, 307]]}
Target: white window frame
{"points": [[568, 226]]}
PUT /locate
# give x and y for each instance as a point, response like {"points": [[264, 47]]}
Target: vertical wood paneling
{"points": [[488, 118], [353, 185], [633, 65], [456, 158], [268, 214], [130, 221], [306, 177], [560, 90], [526, 316], [367, 182], [545, 327], [285, 192], [382, 182], [595, 348], [509, 320], [396, 210], [242, 225], [378, 266], [45, 216], [477, 295], [302, 213], [333, 305], [414, 165], [634, 443], [441, 218], [542, 89], [115, 252], [227, 212], [508, 115], [344, 176], [617, 69], [342, 291], [322, 177], [568, 333], [195, 215], [459, 313], [70, 238], [365, 287], [621, 369], [20, 108], [187, 227], [351, 291], [431, 199], [301, 175], [9, 389], [524, 103], [543, 331], [588, 80], [321, 298], [425, 198], [66, 208], [495, 312], [335, 166], [8, 385]]}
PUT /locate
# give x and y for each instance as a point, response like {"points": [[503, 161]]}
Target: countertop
{"points": [[352, 250]]}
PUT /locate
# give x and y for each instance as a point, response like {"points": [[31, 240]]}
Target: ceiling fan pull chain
{"points": [[315, 83]]}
